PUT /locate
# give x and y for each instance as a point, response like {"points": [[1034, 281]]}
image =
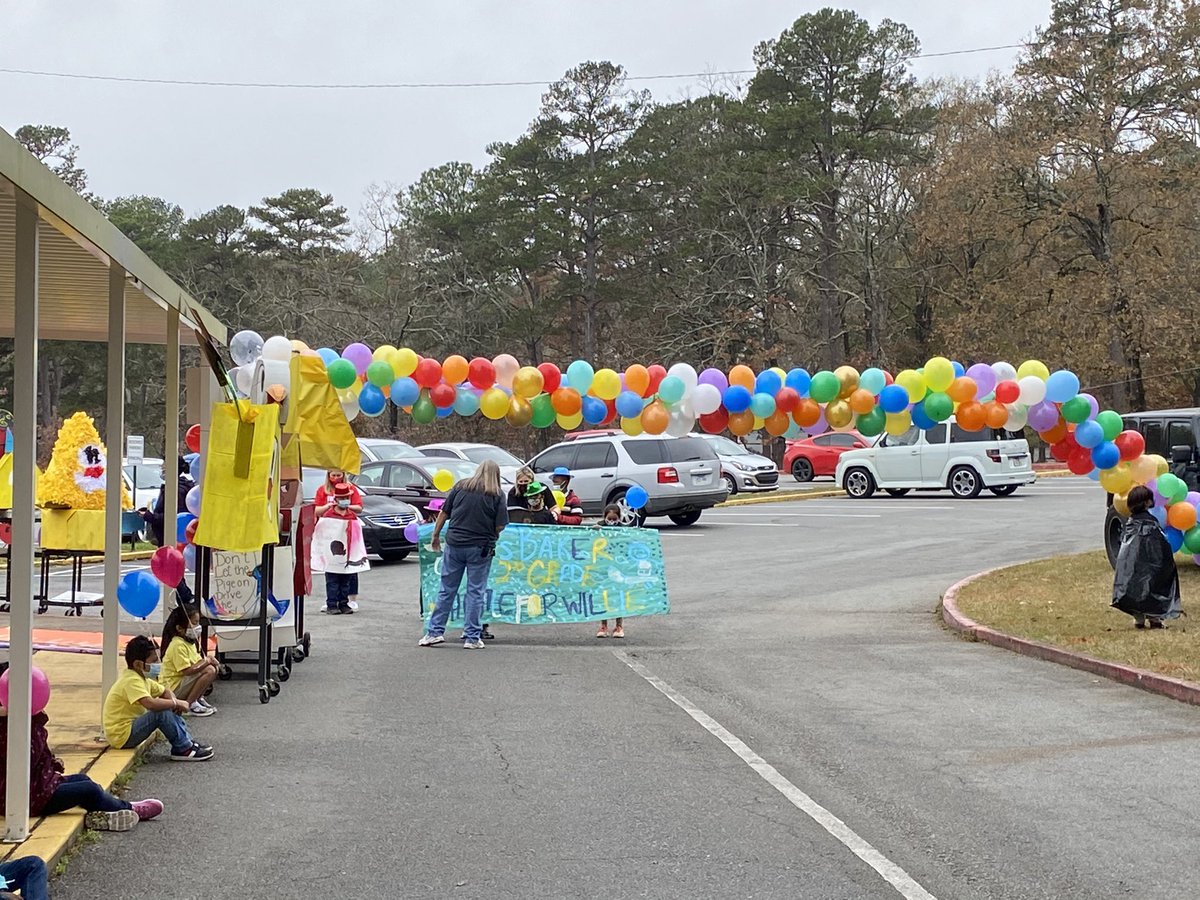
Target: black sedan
{"points": [[411, 480], [383, 519]]}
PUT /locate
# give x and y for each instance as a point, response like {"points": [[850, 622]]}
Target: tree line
{"points": [[831, 209]]}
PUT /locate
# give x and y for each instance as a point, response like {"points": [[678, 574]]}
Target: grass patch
{"points": [[1065, 601], [86, 838]]}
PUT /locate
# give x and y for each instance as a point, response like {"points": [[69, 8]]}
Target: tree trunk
{"points": [[829, 308], [1125, 349]]}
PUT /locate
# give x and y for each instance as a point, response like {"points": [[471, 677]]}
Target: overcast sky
{"points": [[203, 146]]}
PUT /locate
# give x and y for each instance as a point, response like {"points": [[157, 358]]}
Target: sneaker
{"points": [[346, 609], [487, 635], [602, 631], [147, 809], [121, 820], [206, 703], [353, 604], [428, 640], [199, 710], [473, 645], [619, 632], [194, 753], [333, 610]]}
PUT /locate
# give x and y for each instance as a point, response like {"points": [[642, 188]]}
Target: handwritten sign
{"points": [[236, 585], [547, 574]]}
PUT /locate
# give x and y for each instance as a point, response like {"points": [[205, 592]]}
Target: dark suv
{"points": [[1173, 434]]}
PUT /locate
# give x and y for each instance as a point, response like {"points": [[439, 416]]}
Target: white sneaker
{"points": [[353, 604], [428, 640], [473, 645], [121, 820], [204, 700], [199, 710]]}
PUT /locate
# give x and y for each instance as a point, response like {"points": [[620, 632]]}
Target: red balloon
{"points": [[442, 395], [1131, 444], [1008, 391], [887, 378], [715, 422], [481, 373], [192, 440], [551, 377], [611, 406], [1062, 450], [657, 374], [1080, 461], [787, 399], [6, 532], [167, 566], [428, 373], [189, 532]]}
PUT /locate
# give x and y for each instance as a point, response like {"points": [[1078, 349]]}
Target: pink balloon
{"points": [[167, 565], [40, 692]]}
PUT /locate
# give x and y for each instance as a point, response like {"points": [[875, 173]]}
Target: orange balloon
{"points": [[777, 423], [655, 418], [454, 369], [637, 379], [1058, 433], [744, 376], [862, 401], [996, 414], [741, 423], [1181, 516], [566, 401], [806, 412], [971, 416], [962, 390]]}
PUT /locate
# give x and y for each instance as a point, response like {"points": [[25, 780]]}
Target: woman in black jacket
{"points": [[1146, 583]]}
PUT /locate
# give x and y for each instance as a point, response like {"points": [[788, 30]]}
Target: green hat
{"points": [[535, 488]]}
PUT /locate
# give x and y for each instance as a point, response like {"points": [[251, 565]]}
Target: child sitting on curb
{"points": [[137, 706], [26, 874], [184, 670]]}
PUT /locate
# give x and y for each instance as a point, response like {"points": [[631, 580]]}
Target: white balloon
{"points": [[1033, 390], [277, 348], [706, 399], [351, 409], [679, 423], [1018, 417], [243, 377], [686, 374], [276, 372], [1004, 371], [245, 347]]}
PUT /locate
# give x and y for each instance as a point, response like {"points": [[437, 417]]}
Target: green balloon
{"points": [[872, 423], [1077, 410], [543, 411], [1191, 539], [423, 411], [825, 387], [342, 373], [380, 374], [939, 407], [1111, 423], [1172, 487]]}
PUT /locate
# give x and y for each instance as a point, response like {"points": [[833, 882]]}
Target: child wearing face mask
{"points": [[341, 588], [612, 517], [184, 670], [138, 705]]}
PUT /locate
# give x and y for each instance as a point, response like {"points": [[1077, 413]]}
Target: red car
{"points": [[810, 457]]}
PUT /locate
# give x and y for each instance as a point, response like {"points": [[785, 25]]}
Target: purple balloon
{"points": [[360, 355], [411, 532], [984, 377], [818, 427], [1093, 404], [715, 377], [1193, 498], [1043, 416]]}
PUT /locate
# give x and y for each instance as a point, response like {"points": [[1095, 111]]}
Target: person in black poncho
{"points": [[1146, 583]]}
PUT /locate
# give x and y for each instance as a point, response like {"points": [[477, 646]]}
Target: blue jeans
{"points": [[337, 588], [81, 791], [455, 561], [28, 875], [164, 720]]}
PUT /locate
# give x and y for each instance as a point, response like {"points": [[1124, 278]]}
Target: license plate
{"points": [[701, 479]]}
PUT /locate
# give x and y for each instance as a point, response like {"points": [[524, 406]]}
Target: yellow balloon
{"points": [[838, 414], [493, 403], [299, 346], [404, 362], [939, 374], [1144, 469], [528, 382], [606, 384], [1121, 504], [632, 427], [759, 422], [898, 423], [384, 353], [1118, 479], [560, 499], [1162, 466], [356, 387], [847, 377], [569, 423], [778, 371], [520, 413], [914, 382], [443, 480], [1033, 367]]}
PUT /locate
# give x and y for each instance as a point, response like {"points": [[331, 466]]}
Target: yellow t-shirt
{"points": [[121, 706], [181, 654]]}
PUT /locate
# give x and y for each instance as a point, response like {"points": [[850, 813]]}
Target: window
{"points": [[1152, 431], [842, 440], [149, 475], [1179, 434], [384, 449], [936, 434], [959, 435], [554, 457], [596, 455], [907, 439], [689, 449], [439, 453], [401, 476], [371, 475], [646, 453], [824, 440], [725, 446], [501, 456]]}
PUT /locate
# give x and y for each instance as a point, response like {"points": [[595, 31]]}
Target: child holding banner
{"points": [[612, 517]]}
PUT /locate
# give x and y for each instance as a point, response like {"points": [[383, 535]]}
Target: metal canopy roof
{"points": [[76, 242]]}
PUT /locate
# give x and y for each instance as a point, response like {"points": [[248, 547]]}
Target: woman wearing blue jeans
{"points": [[477, 513]]}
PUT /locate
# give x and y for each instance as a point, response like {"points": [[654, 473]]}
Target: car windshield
{"points": [[149, 475], [459, 468], [725, 447], [393, 450], [501, 456]]}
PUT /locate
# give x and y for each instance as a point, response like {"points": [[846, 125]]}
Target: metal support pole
{"points": [[171, 440], [115, 439], [24, 432]]}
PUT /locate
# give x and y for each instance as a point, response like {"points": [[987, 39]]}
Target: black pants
{"points": [[81, 791]]}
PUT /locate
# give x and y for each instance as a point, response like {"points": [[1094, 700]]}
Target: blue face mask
{"points": [[154, 670]]}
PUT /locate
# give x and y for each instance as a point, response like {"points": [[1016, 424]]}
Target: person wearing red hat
{"points": [[344, 502]]}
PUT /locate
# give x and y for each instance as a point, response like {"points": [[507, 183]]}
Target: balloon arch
{"points": [[657, 400]]}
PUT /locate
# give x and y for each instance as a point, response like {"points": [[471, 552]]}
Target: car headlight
{"points": [[745, 467]]}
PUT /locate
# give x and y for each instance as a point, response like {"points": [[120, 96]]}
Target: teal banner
{"points": [[547, 574]]}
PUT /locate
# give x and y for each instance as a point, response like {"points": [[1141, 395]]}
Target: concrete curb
{"points": [[785, 497], [1175, 688]]}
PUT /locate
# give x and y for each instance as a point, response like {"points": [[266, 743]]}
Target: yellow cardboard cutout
{"points": [[79, 468], [6, 481], [323, 436], [240, 490]]}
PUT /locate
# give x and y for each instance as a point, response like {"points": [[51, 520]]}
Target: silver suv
{"points": [[681, 476]]}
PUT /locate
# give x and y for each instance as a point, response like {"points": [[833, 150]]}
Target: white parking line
{"points": [[862, 504], [904, 883]]}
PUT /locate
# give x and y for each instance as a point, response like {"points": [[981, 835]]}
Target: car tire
{"points": [[730, 484], [393, 556], [634, 517], [965, 483], [1004, 490], [802, 469], [897, 492], [859, 483], [1113, 526], [683, 520]]}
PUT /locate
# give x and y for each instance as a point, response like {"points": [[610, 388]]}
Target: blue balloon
{"points": [[444, 411], [1061, 386], [1105, 455], [195, 467], [736, 398], [137, 592], [872, 380], [580, 374], [799, 381], [371, 400], [893, 399], [636, 497], [405, 391], [328, 356], [768, 382], [1089, 434], [182, 521], [793, 432], [466, 401], [1094, 474], [629, 404], [1174, 538], [762, 405], [1160, 513], [919, 417], [959, 371], [594, 410]]}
